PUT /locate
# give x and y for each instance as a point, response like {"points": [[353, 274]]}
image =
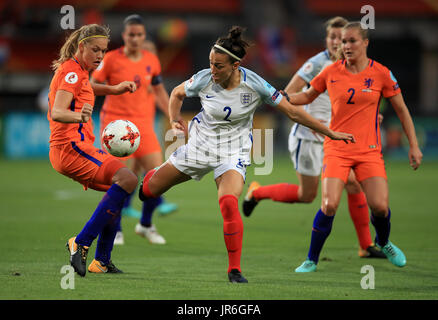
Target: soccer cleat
{"points": [[150, 233], [394, 254], [131, 212], [249, 202], [98, 267], [235, 276], [166, 208], [78, 256], [119, 239], [307, 266], [371, 252]]}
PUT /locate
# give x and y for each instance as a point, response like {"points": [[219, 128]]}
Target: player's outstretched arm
{"points": [[399, 105], [175, 103], [101, 89], [297, 114], [61, 112], [305, 97]]}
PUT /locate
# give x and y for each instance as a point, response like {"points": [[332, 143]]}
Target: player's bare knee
{"points": [[126, 179], [379, 210], [307, 197], [329, 207]]}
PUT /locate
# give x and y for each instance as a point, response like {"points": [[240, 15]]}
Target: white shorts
{"points": [[196, 166], [306, 155]]}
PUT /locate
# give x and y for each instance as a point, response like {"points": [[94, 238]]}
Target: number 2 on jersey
{"points": [[227, 109], [351, 97]]}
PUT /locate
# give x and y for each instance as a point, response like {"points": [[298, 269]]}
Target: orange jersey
{"points": [[72, 78], [117, 67], [355, 100]]}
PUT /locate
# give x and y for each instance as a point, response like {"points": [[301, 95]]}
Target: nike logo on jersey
{"points": [[208, 97], [332, 81]]}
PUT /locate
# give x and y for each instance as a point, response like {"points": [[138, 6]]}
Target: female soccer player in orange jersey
{"points": [[71, 100], [132, 62], [355, 86], [306, 150]]}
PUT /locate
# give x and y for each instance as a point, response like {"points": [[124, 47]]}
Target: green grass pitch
{"points": [[41, 209]]}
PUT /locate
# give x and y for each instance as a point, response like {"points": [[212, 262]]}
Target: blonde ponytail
{"points": [[83, 34]]}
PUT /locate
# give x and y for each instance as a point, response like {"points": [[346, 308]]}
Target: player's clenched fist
{"points": [[125, 86], [86, 112]]}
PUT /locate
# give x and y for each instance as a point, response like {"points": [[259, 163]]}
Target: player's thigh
{"points": [[230, 182], [166, 176], [150, 161], [377, 194], [352, 186], [85, 163], [331, 193]]}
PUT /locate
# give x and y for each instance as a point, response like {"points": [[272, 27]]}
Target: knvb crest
{"points": [[368, 82], [245, 98]]}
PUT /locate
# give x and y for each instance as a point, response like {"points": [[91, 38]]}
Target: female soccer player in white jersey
{"points": [[305, 147], [220, 134]]}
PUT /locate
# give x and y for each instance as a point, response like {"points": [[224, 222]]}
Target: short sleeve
{"points": [[197, 82], [311, 67], [69, 80], [390, 84], [319, 83], [270, 95]]}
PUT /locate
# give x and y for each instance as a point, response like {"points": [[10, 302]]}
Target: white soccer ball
{"points": [[121, 138]]}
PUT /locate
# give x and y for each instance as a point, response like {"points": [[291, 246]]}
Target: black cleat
{"points": [[235, 276], [249, 203], [78, 256], [372, 252], [112, 268]]}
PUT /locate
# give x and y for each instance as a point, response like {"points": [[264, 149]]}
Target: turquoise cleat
{"points": [[307, 266], [166, 208], [131, 212], [394, 254]]}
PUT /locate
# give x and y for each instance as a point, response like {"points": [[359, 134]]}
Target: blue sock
{"points": [[149, 206], [322, 226], [119, 225], [108, 208], [383, 228], [105, 242]]}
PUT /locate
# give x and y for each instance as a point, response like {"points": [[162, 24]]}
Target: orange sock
{"points": [[233, 229], [358, 206], [282, 192]]}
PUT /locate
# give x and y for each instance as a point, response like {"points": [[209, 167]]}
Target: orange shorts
{"points": [[364, 167], [84, 163], [148, 139]]}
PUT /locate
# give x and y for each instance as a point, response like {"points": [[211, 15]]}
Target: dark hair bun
{"points": [[233, 42], [235, 32]]}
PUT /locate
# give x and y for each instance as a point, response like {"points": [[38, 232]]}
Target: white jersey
{"points": [[321, 107], [223, 127]]}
